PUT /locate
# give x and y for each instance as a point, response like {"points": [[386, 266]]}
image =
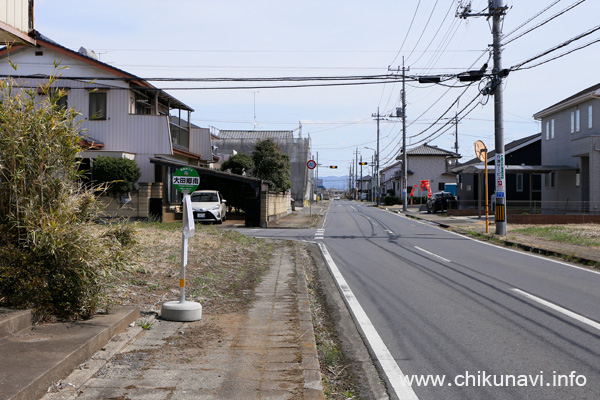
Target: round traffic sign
{"points": [[186, 179], [311, 164]]}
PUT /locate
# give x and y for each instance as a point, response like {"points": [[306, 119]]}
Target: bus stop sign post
{"points": [[185, 180]]}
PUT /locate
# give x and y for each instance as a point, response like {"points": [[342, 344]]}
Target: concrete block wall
{"points": [[137, 207], [279, 204]]}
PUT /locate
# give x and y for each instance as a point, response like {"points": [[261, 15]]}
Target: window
{"points": [[577, 120], [519, 182], [552, 128], [97, 105], [577, 180], [549, 180], [590, 116], [572, 121], [58, 96], [547, 130], [142, 104], [63, 101]]}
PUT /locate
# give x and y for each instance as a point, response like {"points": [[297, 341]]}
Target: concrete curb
{"points": [[50, 352], [14, 321], [313, 388]]}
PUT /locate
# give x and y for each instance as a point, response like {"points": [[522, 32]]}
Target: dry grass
{"points": [[222, 272], [335, 369], [579, 234]]}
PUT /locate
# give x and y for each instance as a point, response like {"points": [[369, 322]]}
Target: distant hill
{"points": [[335, 182]]}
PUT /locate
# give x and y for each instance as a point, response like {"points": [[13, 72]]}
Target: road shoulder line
{"points": [[394, 375]]}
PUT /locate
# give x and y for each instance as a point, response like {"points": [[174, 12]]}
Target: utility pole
{"points": [[496, 10], [404, 158], [361, 181], [356, 173], [456, 133], [377, 183], [317, 176], [372, 179], [351, 179]]}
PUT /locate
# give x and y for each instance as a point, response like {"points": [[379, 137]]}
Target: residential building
{"points": [[16, 21], [522, 158], [425, 162], [120, 114], [571, 150], [297, 148]]}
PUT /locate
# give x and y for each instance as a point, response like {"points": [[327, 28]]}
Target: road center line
{"points": [[564, 311], [391, 369], [432, 254]]}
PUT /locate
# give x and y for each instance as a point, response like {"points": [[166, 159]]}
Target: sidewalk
{"points": [[269, 352], [304, 217]]}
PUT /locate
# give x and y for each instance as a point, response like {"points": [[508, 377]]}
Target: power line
{"points": [[545, 21], [561, 55], [424, 29], [566, 43], [407, 33], [531, 19]]}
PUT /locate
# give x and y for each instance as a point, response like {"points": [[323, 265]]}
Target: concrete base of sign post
{"points": [[186, 311]]}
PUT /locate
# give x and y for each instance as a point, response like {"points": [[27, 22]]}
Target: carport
{"points": [[242, 192]]}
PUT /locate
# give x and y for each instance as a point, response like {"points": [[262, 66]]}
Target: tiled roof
{"points": [[427, 150], [256, 135], [44, 41]]}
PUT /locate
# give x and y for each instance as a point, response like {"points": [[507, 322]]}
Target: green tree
{"points": [[119, 174], [238, 164], [51, 257], [271, 164]]}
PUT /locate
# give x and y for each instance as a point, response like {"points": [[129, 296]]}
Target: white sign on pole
{"points": [[188, 217], [188, 231], [500, 174]]}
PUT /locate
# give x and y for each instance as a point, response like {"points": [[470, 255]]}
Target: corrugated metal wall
{"points": [[15, 13]]}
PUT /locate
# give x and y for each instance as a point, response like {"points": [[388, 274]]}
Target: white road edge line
{"points": [[501, 247], [393, 372], [432, 254], [564, 311]]}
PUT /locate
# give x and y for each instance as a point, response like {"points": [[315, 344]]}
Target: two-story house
{"points": [[425, 162], [121, 115], [571, 143], [523, 169]]}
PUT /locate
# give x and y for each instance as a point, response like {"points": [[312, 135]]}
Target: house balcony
{"points": [[180, 135]]}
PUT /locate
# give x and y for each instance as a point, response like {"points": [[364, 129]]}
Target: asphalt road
{"points": [[491, 322]]}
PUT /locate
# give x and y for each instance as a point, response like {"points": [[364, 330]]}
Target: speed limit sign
{"points": [[311, 164]]}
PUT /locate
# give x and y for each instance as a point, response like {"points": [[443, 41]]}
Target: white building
{"points": [[121, 115]]}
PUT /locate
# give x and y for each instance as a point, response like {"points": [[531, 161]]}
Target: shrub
{"points": [[391, 200], [119, 174], [51, 256]]}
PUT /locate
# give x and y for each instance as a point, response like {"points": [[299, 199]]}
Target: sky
{"points": [[333, 38]]}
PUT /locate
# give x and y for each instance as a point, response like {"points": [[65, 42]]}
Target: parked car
{"points": [[209, 206], [441, 201]]}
